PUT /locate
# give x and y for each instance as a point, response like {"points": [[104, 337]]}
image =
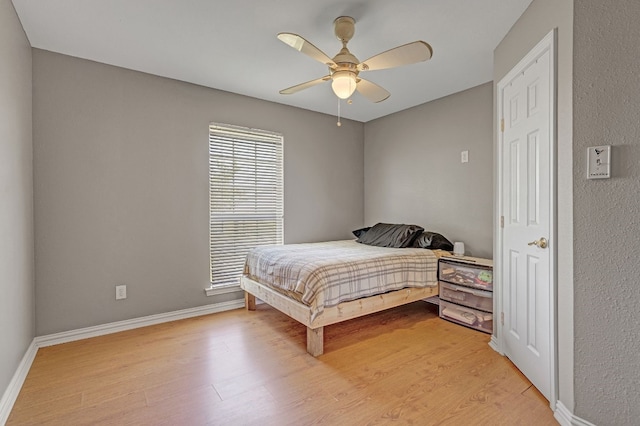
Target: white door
{"points": [[526, 98]]}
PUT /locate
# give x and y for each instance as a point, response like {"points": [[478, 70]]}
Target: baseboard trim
{"points": [[567, 418], [11, 393], [493, 343], [115, 327]]}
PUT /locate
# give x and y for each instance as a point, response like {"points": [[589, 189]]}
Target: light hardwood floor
{"points": [[402, 366]]}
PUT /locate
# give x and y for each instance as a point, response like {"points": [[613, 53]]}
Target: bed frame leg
{"points": [[249, 301], [315, 341]]}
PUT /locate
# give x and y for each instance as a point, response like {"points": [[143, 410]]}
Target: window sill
{"points": [[222, 289]]}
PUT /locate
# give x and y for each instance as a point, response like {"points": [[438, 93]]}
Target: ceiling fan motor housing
{"points": [[347, 63]]}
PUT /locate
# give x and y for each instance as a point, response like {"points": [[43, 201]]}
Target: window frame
{"points": [[247, 166]]}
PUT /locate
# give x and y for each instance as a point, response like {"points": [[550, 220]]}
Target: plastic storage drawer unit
{"points": [[467, 296]]}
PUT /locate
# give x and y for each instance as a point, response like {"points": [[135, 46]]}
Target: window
{"points": [[245, 197]]}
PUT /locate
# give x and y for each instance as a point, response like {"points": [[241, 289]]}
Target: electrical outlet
{"points": [[121, 292], [464, 157]]}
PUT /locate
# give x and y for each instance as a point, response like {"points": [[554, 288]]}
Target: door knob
{"points": [[542, 243]]}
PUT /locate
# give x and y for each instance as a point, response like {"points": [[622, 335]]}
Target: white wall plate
{"points": [[599, 162]]}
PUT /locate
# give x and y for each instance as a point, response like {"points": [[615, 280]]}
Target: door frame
{"points": [[548, 43]]}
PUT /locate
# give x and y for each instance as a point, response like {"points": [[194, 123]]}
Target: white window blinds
{"points": [[245, 197]]}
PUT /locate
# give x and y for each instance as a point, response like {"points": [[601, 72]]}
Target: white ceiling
{"points": [[232, 45]]}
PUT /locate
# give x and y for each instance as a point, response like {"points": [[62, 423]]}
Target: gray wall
{"points": [[541, 17], [607, 213], [121, 187], [17, 312], [413, 172]]}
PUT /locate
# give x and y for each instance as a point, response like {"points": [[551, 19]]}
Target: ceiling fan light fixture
{"points": [[343, 84]]}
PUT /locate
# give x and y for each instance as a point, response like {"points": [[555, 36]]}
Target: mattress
{"points": [[325, 274]]}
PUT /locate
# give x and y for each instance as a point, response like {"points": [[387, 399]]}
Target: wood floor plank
{"points": [[404, 365]]}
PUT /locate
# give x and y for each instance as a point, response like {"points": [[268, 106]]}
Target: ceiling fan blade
{"points": [[371, 91], [411, 53], [306, 85], [302, 45]]}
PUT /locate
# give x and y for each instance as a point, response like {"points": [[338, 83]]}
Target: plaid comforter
{"points": [[324, 274]]}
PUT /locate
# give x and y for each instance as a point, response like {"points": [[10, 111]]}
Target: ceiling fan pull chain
{"points": [[339, 123]]}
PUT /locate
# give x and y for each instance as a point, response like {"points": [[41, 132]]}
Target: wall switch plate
{"points": [[464, 157], [121, 292], [599, 162]]}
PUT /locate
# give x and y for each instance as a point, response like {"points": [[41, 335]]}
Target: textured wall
{"points": [[121, 187], [413, 172], [607, 213], [539, 19], [17, 314]]}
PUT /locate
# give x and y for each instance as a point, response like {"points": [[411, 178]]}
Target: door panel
{"points": [[526, 104]]}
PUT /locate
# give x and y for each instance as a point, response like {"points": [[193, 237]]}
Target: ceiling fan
{"points": [[344, 68]]}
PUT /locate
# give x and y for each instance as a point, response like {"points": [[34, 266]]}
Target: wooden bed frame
{"points": [[342, 312]]}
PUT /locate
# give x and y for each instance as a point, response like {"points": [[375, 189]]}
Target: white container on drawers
{"points": [[466, 291]]}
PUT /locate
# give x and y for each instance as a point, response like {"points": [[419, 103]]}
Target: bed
{"points": [[320, 284]]}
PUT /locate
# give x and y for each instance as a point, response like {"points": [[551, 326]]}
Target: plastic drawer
{"points": [[479, 320], [477, 276], [461, 295]]}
